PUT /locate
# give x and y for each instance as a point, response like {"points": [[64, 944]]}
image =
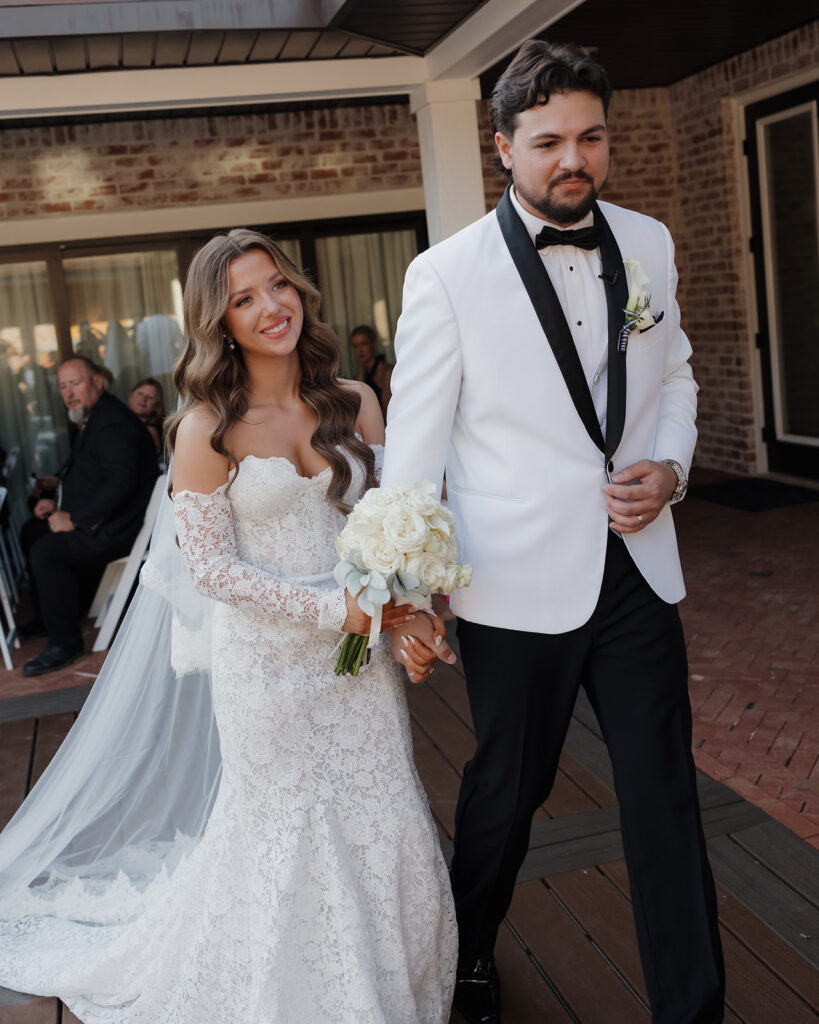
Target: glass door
{"points": [[783, 151]]}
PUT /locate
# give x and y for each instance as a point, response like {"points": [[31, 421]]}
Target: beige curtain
{"points": [[361, 279], [32, 416], [126, 314]]}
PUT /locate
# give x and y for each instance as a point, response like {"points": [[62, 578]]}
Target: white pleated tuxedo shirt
{"points": [[574, 273]]}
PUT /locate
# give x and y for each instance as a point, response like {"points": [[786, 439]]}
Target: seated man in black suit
{"points": [[102, 492]]}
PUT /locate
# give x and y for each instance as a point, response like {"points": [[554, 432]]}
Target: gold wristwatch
{"points": [[682, 481]]}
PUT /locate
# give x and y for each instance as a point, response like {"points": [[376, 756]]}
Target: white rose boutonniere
{"points": [[638, 312]]}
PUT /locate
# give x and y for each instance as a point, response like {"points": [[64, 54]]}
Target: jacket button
{"points": [[610, 467]]}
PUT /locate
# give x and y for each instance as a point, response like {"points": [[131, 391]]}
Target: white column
{"points": [[450, 154]]}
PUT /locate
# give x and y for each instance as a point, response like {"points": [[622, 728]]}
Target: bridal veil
{"points": [[131, 788]]}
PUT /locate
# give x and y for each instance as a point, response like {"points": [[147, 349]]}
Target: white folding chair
{"points": [[16, 551], [8, 631], [7, 562], [118, 578]]}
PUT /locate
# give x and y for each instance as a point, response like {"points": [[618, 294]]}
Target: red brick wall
{"points": [[710, 244], [182, 161]]}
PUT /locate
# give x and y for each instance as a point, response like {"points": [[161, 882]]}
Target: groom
{"points": [[566, 429]]}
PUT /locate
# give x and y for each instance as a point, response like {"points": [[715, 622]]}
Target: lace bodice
{"points": [[267, 541]]}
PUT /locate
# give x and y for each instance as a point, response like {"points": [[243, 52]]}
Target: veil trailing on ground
{"points": [[131, 788]]}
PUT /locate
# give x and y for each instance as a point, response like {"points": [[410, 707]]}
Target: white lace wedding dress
{"points": [[318, 893]]}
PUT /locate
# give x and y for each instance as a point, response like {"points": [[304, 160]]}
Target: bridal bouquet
{"points": [[399, 542]]}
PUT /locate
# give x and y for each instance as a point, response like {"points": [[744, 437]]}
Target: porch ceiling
{"points": [[42, 38], [646, 43]]}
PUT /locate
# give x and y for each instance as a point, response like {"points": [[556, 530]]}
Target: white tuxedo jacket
{"points": [[480, 391]]}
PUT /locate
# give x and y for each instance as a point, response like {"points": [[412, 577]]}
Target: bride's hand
{"points": [[358, 621], [418, 645]]}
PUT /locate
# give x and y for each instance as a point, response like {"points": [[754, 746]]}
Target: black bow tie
{"points": [[583, 238]]}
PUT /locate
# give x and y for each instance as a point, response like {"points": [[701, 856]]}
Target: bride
{"points": [[285, 868]]}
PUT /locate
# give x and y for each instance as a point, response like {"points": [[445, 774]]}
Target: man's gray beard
{"points": [[561, 213], [78, 414]]}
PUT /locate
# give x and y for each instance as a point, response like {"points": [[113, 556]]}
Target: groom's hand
{"points": [[637, 495], [419, 644]]}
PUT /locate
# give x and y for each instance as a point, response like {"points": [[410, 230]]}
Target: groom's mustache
{"points": [[571, 176]]}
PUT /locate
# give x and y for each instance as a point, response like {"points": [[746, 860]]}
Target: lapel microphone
{"points": [[609, 279]]}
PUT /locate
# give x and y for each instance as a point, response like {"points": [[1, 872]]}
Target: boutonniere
{"points": [[638, 312]]}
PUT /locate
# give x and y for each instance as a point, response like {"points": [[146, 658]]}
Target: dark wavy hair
{"points": [[211, 374], [537, 70]]}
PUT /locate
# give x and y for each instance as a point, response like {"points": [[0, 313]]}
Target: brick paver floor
{"points": [[752, 627]]}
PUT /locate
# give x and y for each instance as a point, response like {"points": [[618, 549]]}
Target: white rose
{"points": [[380, 555], [464, 577], [638, 293], [422, 502], [374, 498], [405, 529], [366, 520], [429, 569], [439, 544], [450, 580]]}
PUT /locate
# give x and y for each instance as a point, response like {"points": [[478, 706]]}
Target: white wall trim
{"points": [[79, 227], [775, 87], [748, 280], [174, 88], [494, 30]]}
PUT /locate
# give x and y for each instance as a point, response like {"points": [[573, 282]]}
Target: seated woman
{"points": [[146, 400], [374, 371]]}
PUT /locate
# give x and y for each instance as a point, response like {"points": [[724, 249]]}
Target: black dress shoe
{"points": [[477, 993], [51, 658]]}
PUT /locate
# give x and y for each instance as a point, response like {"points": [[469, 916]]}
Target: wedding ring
{"points": [[639, 519]]}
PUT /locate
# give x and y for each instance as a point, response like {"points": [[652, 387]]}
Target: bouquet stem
{"points": [[352, 655]]}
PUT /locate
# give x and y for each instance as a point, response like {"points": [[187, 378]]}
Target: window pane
{"points": [[32, 415], [126, 315], [361, 279], [792, 190]]}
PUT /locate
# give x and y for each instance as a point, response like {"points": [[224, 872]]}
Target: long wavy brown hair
{"points": [[212, 374]]}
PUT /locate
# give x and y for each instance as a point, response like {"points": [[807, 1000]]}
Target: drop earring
{"points": [[231, 344]]}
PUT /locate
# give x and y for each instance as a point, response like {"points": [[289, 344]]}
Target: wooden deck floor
{"points": [[567, 952]]}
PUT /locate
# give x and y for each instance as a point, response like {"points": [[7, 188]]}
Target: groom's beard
{"points": [[563, 211]]}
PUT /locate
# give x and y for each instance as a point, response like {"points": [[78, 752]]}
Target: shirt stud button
{"points": [[579, 323]]}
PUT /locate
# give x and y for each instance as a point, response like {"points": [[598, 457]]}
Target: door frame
{"points": [[780, 454]]}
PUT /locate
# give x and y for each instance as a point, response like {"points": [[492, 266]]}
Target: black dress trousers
{"points": [[630, 657], [64, 571]]}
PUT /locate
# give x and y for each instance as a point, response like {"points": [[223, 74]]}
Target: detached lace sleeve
{"points": [[205, 530]]}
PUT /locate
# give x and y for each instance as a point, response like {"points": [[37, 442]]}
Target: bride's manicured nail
{"points": [[438, 641], [412, 641], [404, 641], [403, 654]]}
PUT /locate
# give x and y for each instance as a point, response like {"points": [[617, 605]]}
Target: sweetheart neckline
{"points": [[283, 458]]}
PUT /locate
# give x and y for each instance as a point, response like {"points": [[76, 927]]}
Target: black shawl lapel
{"points": [[614, 281], [550, 314]]}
